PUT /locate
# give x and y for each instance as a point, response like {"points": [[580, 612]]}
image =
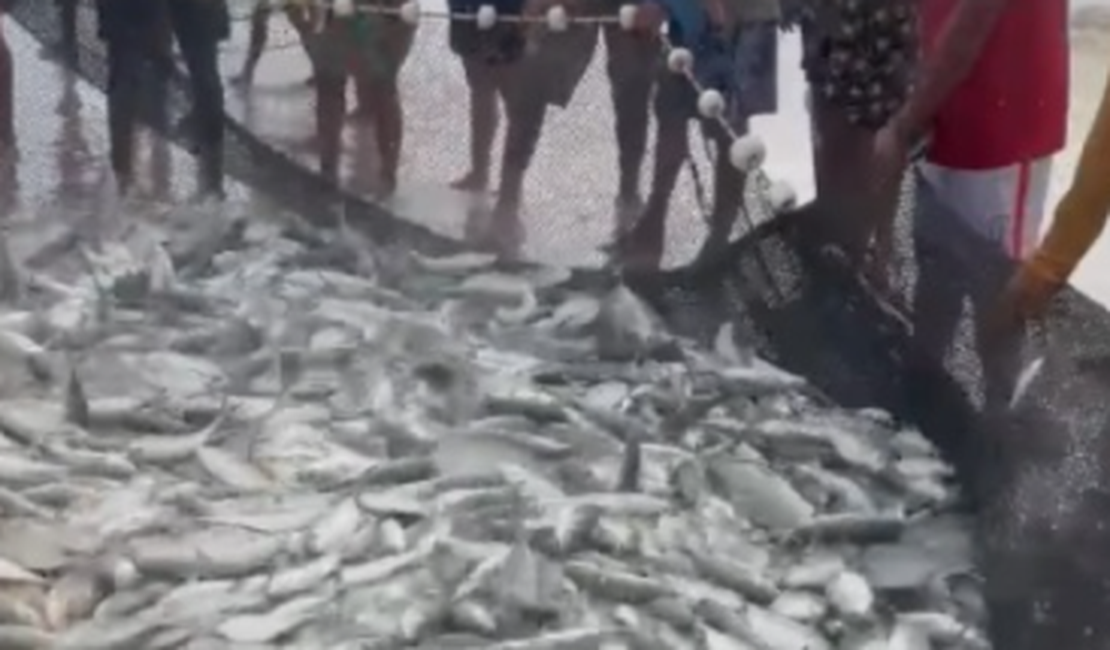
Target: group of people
{"points": [[980, 87]]}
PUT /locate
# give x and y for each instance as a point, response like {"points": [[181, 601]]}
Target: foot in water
{"points": [[471, 181]]}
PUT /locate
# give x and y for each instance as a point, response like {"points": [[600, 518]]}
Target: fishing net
{"points": [[1036, 468]]}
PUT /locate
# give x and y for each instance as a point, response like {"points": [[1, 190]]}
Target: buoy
{"points": [[557, 19], [627, 17], [781, 196], [747, 153], [410, 12], [487, 17], [711, 104], [680, 60], [344, 7]]}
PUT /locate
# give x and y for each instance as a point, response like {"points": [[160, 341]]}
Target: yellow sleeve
{"points": [[1082, 213]]}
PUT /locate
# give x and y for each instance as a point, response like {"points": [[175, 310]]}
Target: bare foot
{"points": [[641, 247], [471, 182]]}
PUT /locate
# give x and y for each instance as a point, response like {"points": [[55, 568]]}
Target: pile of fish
{"points": [[219, 432]]}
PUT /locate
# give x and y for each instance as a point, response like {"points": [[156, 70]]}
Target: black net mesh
{"points": [[1036, 469]]}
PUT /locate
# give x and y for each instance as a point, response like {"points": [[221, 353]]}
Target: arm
{"points": [[1082, 213], [957, 49]]}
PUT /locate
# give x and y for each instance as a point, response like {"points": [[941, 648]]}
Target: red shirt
{"points": [[1013, 106]]}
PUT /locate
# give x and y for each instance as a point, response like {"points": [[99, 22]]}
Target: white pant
{"points": [[1007, 204]]}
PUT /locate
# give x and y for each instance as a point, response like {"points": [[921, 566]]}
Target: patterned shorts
{"points": [[859, 54]]}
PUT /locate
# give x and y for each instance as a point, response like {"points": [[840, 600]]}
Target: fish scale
{"points": [[268, 450]]}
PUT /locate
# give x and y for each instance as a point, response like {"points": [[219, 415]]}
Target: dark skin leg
{"points": [[260, 34], [642, 246], [331, 104], [728, 197], [364, 92], [67, 19], [525, 113], [123, 102], [631, 70], [483, 81], [385, 111]]}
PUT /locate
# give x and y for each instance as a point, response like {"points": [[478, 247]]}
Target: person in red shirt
{"points": [[991, 102]]}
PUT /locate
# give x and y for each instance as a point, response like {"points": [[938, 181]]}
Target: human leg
{"points": [[675, 104], [331, 104], [7, 90], [124, 77], [378, 85], [259, 34], [482, 81], [525, 111], [854, 89], [1021, 192], [1001, 206], [199, 28], [631, 67], [67, 23]]}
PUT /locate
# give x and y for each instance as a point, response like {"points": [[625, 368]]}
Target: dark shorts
{"points": [[745, 71], [502, 44], [859, 54]]}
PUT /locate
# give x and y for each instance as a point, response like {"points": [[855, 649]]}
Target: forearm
{"points": [[1082, 213], [953, 57]]}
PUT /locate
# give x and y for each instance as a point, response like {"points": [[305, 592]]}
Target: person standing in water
{"points": [[370, 47]]}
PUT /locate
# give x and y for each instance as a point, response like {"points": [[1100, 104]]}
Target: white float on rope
{"points": [[711, 104], [487, 17], [410, 12], [680, 60], [627, 17], [747, 153], [557, 19], [344, 7]]}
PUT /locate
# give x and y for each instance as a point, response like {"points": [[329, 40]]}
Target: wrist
{"points": [[904, 128]]}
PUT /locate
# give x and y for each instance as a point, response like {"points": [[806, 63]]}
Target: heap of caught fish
{"points": [[225, 433]]}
